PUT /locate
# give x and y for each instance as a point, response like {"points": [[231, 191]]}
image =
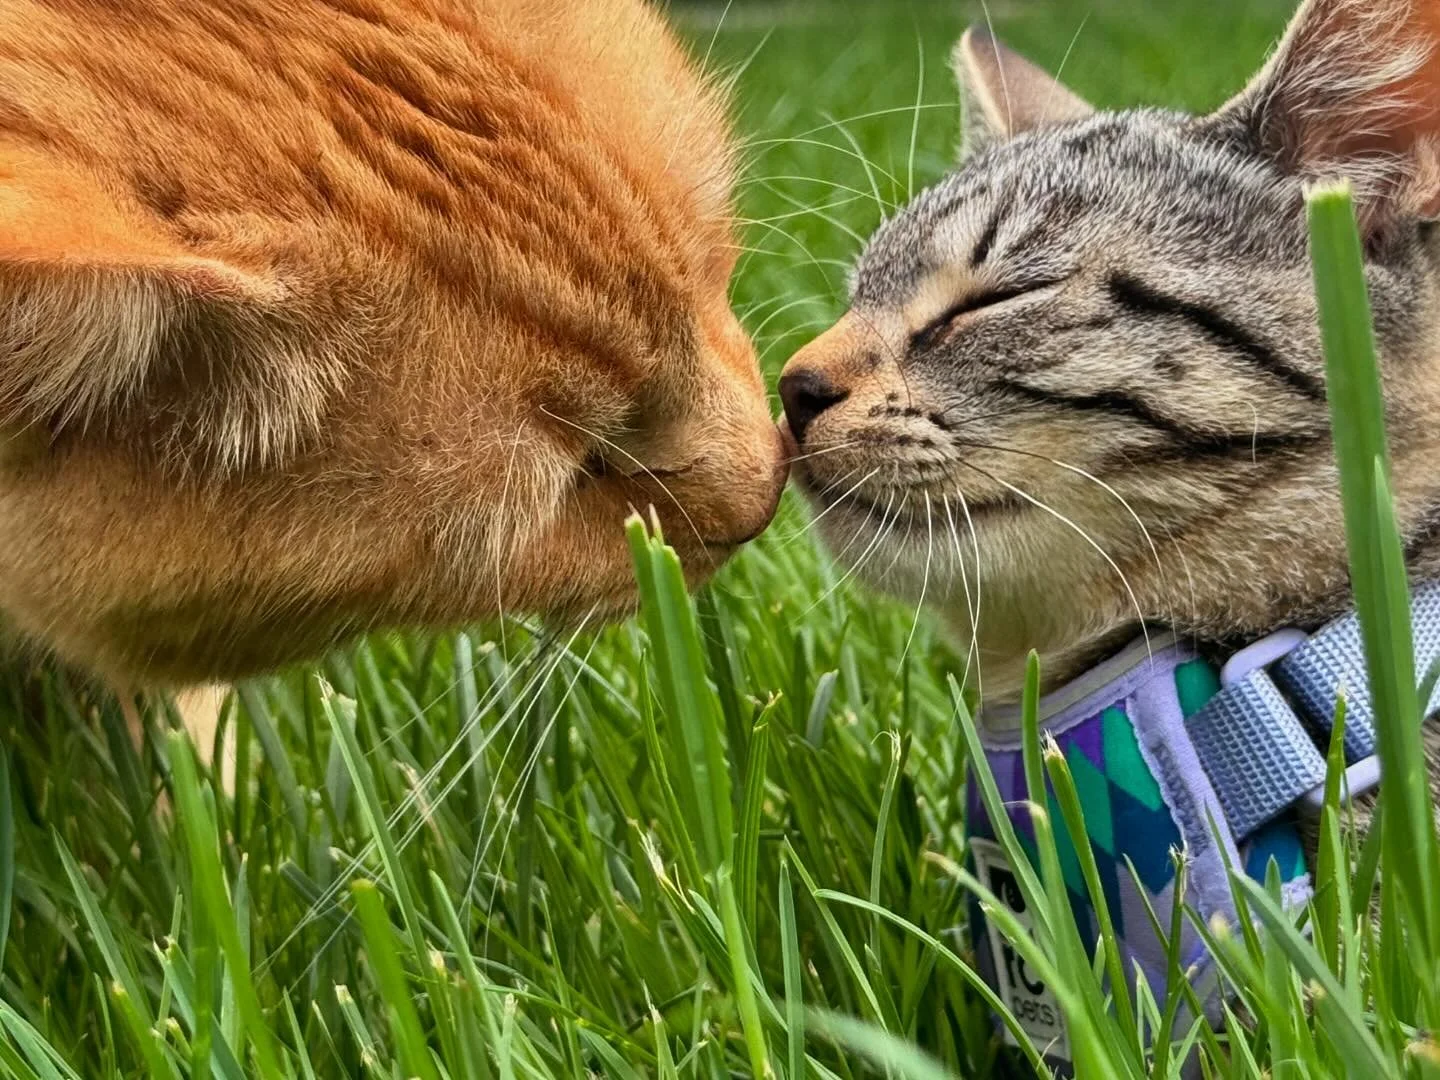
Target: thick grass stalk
{"points": [[1377, 566], [209, 881], [739, 956], [700, 767], [390, 975]]}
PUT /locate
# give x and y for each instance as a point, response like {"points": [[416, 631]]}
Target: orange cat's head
{"points": [[325, 316]]}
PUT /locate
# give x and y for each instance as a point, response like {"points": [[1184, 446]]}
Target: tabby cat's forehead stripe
{"points": [[987, 238], [1142, 299]]}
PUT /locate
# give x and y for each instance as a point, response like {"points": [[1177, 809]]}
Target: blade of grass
{"points": [[209, 884], [7, 853], [1377, 569], [794, 983], [390, 974], [735, 943]]}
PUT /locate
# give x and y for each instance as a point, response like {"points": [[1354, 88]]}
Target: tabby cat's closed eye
{"points": [[937, 329]]}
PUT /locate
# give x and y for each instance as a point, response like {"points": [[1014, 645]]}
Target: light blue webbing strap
{"points": [[1261, 738]]}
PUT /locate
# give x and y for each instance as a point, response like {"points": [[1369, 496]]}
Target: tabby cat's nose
{"points": [[806, 393]]}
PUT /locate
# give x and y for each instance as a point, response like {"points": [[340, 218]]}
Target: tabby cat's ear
{"points": [[1004, 94], [107, 322], [1353, 91]]}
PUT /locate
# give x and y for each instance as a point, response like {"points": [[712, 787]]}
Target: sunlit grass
{"points": [[723, 839]]}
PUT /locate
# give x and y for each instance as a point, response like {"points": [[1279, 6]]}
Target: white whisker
{"points": [[1000, 67], [1059, 71], [972, 653], [1058, 516], [881, 532], [924, 585]]}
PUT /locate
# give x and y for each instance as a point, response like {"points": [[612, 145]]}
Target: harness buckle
{"points": [[1361, 777], [1262, 653]]}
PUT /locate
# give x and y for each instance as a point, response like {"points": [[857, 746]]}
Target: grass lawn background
{"points": [[535, 863]]}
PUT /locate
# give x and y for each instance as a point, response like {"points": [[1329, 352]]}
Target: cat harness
{"points": [[1161, 745]]}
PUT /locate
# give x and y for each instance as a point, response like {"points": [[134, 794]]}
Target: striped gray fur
{"points": [[1081, 388]]}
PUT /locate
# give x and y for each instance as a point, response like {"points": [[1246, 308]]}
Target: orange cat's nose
{"points": [[750, 515]]}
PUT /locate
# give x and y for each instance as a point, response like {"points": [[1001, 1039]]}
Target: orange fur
{"points": [[322, 317]]}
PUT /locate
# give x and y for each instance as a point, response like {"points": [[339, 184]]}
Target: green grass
{"points": [[723, 839]]}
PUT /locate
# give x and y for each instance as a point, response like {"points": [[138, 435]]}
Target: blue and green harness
{"points": [[1174, 757]]}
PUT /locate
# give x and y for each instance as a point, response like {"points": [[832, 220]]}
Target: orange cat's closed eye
{"points": [[315, 312]]}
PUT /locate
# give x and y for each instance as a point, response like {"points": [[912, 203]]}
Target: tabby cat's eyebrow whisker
{"points": [[828, 125], [746, 249], [809, 255], [1060, 70], [795, 240], [790, 215], [640, 464], [1084, 535], [800, 178], [915, 117], [818, 212], [870, 169], [755, 307], [999, 65], [809, 324], [853, 151], [789, 306]]}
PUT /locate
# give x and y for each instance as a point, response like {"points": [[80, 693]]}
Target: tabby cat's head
{"points": [[318, 316], [1081, 380]]}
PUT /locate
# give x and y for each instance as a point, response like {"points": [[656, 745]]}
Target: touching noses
{"points": [[806, 393]]}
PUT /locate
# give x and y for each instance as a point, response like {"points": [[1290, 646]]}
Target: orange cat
{"points": [[327, 316]]}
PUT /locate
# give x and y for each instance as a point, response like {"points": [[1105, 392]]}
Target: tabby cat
{"points": [[326, 315], [1081, 386]]}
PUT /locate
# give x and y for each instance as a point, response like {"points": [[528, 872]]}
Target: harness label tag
{"points": [[1029, 998]]}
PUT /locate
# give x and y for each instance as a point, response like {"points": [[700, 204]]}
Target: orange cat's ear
{"points": [[1353, 91], [1004, 94], [106, 319]]}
